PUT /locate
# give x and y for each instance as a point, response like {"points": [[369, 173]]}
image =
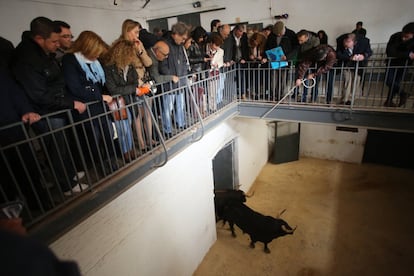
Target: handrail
{"points": [[162, 141], [198, 113]]}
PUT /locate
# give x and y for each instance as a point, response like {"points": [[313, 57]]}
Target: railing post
{"points": [[354, 84]]}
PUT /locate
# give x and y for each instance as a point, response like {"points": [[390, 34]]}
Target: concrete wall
{"points": [[325, 142], [165, 224], [381, 17]]}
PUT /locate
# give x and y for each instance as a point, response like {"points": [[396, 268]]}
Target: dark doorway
{"points": [[389, 148], [224, 168], [161, 23], [192, 19], [287, 138]]}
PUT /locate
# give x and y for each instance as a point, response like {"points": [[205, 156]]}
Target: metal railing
{"points": [[51, 163], [365, 87], [45, 164]]}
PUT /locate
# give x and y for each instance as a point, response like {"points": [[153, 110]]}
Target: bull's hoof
{"points": [[233, 235], [267, 250], [252, 245]]}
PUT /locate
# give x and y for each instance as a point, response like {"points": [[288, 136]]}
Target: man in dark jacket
{"points": [[38, 72], [176, 64], [236, 50], [355, 51], [279, 38], [6, 53], [240, 45], [17, 167], [283, 37], [400, 48], [36, 69], [147, 38]]}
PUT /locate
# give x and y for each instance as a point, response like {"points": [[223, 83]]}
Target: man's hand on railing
{"points": [[358, 57], [30, 118], [79, 106], [411, 55], [175, 79]]}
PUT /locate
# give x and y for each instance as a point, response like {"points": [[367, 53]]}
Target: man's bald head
{"points": [[224, 31], [161, 50]]}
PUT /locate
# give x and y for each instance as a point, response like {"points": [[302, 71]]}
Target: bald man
{"points": [[158, 53], [224, 31]]}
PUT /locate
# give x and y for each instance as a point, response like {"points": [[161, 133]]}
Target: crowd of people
{"points": [[49, 73]]}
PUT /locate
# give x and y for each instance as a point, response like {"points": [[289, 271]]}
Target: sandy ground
{"points": [[352, 220]]}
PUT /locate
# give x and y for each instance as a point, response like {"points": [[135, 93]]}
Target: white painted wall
{"points": [[165, 224], [325, 142], [15, 17], [381, 17]]}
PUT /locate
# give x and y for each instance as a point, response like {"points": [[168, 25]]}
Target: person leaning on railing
{"points": [[216, 82], [175, 64], [38, 72], [131, 32], [199, 62], [400, 48], [356, 50], [85, 80], [122, 80], [323, 55], [14, 107]]}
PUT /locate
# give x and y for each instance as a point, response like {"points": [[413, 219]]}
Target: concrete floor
{"points": [[352, 220]]}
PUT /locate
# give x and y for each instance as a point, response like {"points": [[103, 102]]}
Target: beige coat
{"points": [[144, 60]]}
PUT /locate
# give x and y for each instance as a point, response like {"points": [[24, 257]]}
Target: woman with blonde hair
{"points": [[122, 80], [143, 121], [85, 79]]}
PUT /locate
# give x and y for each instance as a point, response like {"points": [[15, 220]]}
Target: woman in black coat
{"points": [[85, 80]]}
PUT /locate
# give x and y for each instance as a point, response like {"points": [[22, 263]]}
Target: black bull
{"points": [[260, 228], [224, 198]]}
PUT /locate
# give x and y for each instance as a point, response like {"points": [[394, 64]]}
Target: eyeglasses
{"points": [[165, 55], [67, 36]]}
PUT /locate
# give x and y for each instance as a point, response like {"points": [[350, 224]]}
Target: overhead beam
{"points": [[370, 119]]}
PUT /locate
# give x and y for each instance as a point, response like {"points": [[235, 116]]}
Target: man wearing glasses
{"points": [[158, 53], [65, 39], [177, 64]]}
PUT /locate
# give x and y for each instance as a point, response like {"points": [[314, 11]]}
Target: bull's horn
{"points": [[287, 230], [281, 213]]}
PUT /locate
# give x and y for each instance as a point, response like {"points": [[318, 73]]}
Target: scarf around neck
{"points": [[93, 69]]}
